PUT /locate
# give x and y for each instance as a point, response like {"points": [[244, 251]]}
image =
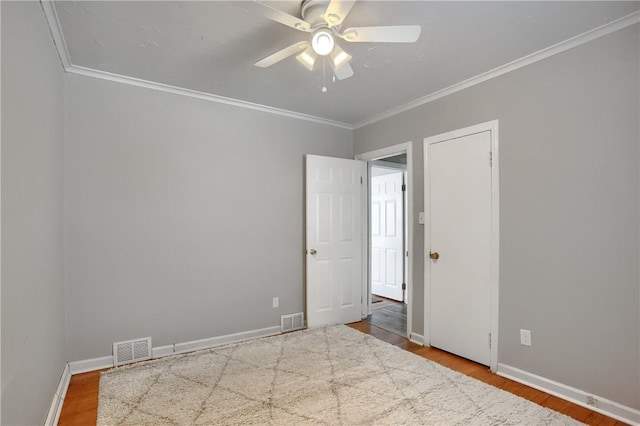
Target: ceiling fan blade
{"points": [[345, 71], [391, 34], [282, 54], [337, 11], [282, 17]]}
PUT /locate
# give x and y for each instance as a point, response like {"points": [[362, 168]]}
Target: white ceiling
{"points": [[210, 46]]}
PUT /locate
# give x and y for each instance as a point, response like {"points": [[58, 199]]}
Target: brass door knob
{"points": [[434, 255], [313, 252]]}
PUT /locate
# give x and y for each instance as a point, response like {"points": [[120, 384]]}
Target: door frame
{"points": [[491, 126], [402, 148]]}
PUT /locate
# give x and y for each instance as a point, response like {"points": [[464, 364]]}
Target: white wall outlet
{"points": [[276, 302], [421, 218], [525, 337]]}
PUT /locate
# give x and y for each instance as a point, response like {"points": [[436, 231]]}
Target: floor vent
{"points": [[131, 351], [292, 322]]}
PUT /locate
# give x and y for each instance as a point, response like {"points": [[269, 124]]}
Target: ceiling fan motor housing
{"points": [[313, 12]]}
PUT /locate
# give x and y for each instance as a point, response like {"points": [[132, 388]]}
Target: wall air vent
{"points": [[131, 351], [292, 322]]}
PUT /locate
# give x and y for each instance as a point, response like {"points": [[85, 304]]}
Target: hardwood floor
{"points": [[81, 403], [483, 374], [389, 315]]}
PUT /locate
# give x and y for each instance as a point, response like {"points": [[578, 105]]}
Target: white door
{"points": [[387, 236], [459, 208], [334, 240]]}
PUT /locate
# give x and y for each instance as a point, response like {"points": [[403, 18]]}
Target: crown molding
{"points": [[563, 46], [89, 72], [56, 33], [63, 52]]}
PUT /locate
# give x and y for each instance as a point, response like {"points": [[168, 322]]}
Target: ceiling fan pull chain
{"points": [[324, 74]]}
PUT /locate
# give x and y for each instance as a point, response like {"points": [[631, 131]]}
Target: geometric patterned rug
{"points": [[323, 376]]}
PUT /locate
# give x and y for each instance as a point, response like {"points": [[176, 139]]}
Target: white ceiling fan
{"points": [[323, 19]]}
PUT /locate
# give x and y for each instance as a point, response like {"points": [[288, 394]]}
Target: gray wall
{"points": [[184, 218], [33, 354], [569, 191]]}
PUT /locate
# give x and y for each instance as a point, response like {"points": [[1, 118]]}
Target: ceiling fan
{"points": [[323, 19]]}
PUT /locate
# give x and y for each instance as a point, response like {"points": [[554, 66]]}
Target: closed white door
{"points": [[334, 240], [459, 206], [387, 236]]}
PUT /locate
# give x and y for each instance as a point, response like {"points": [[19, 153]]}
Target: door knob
{"points": [[312, 252], [434, 255]]}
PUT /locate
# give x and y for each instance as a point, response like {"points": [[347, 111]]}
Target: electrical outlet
{"points": [[525, 337], [276, 302]]}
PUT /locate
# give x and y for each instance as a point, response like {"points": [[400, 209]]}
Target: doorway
{"points": [[387, 219], [387, 286]]}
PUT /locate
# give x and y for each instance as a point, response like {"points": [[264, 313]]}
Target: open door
{"points": [[333, 240], [387, 233]]}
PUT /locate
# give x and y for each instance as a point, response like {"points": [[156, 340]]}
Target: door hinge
{"points": [[404, 187], [406, 253], [489, 340], [360, 180], [490, 159], [404, 286]]}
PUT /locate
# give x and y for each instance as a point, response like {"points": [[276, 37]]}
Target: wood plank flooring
{"points": [[389, 315], [81, 403]]}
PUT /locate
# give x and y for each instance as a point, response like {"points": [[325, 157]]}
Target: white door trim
{"points": [[491, 126], [387, 164], [406, 147]]}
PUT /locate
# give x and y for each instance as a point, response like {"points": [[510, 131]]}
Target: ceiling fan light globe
{"points": [[307, 58], [339, 57], [322, 42]]}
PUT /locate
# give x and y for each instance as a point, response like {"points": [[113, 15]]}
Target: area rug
{"points": [[325, 376]]}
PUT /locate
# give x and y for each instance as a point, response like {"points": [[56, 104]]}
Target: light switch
{"points": [[421, 218]]}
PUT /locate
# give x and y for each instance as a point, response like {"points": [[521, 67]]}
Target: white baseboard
{"points": [[58, 398], [162, 351], [223, 340], [416, 338], [577, 396], [84, 366], [94, 364]]}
